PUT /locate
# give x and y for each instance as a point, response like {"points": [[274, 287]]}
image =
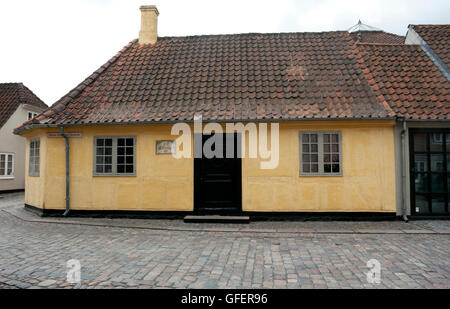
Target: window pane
{"points": [[335, 148], [313, 138], [326, 158], [438, 205], [120, 151], [100, 142], [129, 169], [130, 160], [130, 150], [421, 162], [335, 168], [99, 169], [306, 168], [326, 148], [305, 138], [421, 204], [436, 141], [305, 148], [420, 142], [447, 141], [326, 138], [314, 148], [10, 165], [120, 168], [335, 158], [327, 168], [2, 164], [108, 168], [437, 182], [120, 142], [437, 163], [120, 159], [108, 142], [99, 160], [448, 163], [306, 158], [314, 158], [130, 142], [421, 182], [314, 168]]}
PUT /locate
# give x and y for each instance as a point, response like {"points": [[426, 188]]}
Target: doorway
{"points": [[218, 179]]}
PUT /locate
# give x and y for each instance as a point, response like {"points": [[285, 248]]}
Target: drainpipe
{"points": [[66, 213], [403, 137]]}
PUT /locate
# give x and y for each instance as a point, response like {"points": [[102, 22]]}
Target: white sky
{"points": [[52, 45]]}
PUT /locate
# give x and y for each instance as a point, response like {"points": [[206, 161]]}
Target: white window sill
{"points": [[7, 177]]}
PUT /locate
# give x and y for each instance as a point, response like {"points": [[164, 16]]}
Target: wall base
{"points": [[254, 216]]}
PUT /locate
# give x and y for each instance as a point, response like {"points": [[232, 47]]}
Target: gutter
{"points": [[403, 165], [66, 138], [19, 130]]}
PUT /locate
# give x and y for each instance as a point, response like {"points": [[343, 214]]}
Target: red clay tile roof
{"points": [[283, 76], [437, 38], [12, 95], [377, 37], [409, 81]]}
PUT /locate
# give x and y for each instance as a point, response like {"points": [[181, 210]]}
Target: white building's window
{"points": [[33, 168], [6, 165], [320, 153], [31, 115]]}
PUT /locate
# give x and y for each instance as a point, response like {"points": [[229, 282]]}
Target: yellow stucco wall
{"points": [[161, 182], [35, 186], [367, 184], [165, 183]]}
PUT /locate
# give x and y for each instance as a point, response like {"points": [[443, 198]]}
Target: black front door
{"points": [[217, 179], [430, 171]]}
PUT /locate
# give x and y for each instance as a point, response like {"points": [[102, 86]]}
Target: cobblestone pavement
{"points": [[33, 254]]}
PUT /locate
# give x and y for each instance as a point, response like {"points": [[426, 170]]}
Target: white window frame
{"points": [[320, 162], [32, 171], [33, 114], [114, 156], [5, 175]]}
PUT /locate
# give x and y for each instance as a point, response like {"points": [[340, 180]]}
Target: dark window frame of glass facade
{"points": [[429, 171]]}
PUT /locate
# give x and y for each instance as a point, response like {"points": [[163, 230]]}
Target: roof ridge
{"points": [[251, 33]]}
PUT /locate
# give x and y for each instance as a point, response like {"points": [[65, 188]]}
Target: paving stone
{"points": [[33, 254]]}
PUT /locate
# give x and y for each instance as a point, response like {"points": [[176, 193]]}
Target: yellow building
{"points": [[111, 144]]}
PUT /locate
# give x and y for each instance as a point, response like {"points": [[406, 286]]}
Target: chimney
{"points": [[149, 24]]}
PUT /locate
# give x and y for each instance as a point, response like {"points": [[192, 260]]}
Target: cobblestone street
{"points": [[153, 253]]}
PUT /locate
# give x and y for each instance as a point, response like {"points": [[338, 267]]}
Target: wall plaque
{"points": [[165, 147]]}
